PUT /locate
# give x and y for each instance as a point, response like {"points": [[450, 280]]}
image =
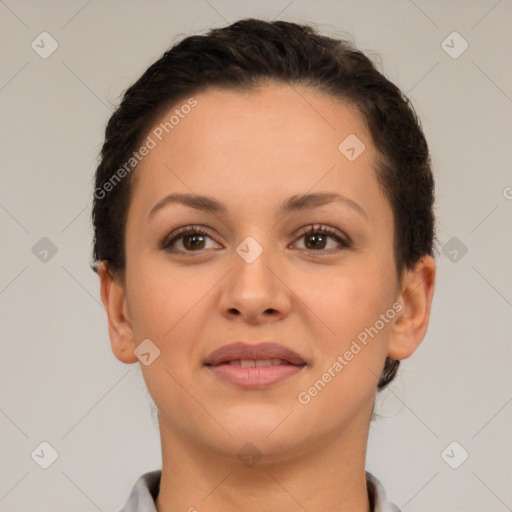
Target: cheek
{"points": [[344, 300], [163, 299], [167, 308], [349, 353], [347, 308]]}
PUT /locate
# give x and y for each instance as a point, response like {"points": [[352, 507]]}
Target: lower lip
{"points": [[255, 377]]}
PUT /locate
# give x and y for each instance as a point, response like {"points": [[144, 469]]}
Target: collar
{"points": [[144, 492]]}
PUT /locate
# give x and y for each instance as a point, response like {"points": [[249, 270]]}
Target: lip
{"points": [[241, 350], [257, 377]]}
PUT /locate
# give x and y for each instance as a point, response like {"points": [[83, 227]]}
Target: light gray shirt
{"points": [[144, 492]]}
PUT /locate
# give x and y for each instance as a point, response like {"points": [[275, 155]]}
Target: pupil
{"points": [[192, 245], [314, 237]]}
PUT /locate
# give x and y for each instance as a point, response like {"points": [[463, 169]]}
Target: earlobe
{"points": [[411, 323], [114, 301]]}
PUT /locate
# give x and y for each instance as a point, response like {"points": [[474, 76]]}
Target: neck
{"points": [[327, 477]]}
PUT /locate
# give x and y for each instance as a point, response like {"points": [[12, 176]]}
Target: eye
{"points": [[316, 238], [194, 239], [191, 238]]}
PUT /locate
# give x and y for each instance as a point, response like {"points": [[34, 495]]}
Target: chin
{"points": [[252, 448], [271, 434]]}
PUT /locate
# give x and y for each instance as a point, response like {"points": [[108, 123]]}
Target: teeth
{"points": [[249, 363]]}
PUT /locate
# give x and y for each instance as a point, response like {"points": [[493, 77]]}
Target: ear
{"points": [[411, 323], [113, 296]]}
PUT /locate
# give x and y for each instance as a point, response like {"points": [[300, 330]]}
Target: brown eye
{"points": [[191, 238], [317, 238], [195, 241]]}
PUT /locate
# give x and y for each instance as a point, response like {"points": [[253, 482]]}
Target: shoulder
{"points": [[378, 496], [143, 494]]}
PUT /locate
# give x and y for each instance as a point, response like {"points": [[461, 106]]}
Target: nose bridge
{"points": [[252, 262], [254, 287]]}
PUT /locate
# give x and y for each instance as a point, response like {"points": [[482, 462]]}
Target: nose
{"points": [[255, 290]]}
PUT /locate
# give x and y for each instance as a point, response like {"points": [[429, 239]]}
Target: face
{"points": [[316, 278]]}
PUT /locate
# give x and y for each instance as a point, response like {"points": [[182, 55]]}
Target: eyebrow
{"points": [[292, 204]]}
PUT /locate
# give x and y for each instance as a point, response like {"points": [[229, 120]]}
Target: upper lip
{"points": [[252, 352]]}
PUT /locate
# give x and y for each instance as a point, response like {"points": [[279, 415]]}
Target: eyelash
{"points": [[199, 230]]}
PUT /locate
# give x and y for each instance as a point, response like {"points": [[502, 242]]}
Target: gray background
{"points": [[60, 382]]}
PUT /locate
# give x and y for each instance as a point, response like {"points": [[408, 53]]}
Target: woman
{"points": [[264, 238]]}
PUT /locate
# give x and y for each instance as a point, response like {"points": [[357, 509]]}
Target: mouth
{"points": [[260, 363], [254, 366]]}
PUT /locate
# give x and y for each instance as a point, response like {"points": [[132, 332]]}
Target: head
{"points": [[251, 115]]}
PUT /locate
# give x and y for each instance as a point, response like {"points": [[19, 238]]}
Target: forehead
{"points": [[249, 147]]}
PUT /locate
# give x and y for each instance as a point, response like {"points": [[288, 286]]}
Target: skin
{"points": [[252, 151]]}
